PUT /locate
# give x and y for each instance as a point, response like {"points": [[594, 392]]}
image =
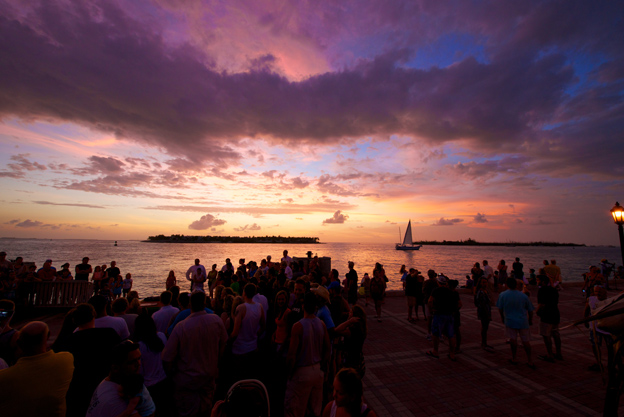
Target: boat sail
{"points": [[407, 240]]}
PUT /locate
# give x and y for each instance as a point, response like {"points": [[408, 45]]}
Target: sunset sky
{"points": [[499, 121]]}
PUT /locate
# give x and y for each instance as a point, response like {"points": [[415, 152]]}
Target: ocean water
{"points": [[150, 263]]}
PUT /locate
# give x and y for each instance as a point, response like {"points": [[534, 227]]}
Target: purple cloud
{"points": [[300, 183], [29, 223], [480, 218], [105, 165], [193, 110], [49, 203], [206, 222], [447, 222], [337, 218], [248, 228]]}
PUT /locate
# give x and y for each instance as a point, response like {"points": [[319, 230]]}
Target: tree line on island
{"points": [[230, 239], [472, 242]]}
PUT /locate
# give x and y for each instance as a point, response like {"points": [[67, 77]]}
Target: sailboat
{"points": [[407, 240]]}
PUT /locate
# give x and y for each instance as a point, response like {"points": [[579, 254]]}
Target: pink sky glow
{"points": [[498, 121]]}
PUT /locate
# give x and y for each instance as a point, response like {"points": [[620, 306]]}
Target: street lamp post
{"points": [[618, 217]]}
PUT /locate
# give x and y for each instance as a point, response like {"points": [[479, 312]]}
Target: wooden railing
{"points": [[59, 294]]}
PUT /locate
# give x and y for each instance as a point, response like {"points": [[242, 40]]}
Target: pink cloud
{"points": [[337, 218], [206, 222]]}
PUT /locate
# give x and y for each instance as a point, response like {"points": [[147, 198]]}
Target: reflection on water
{"points": [[150, 263]]}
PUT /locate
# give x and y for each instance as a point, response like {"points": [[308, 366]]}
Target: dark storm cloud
{"points": [[93, 64]]}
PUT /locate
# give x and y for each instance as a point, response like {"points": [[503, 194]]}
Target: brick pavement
{"points": [[401, 380]]}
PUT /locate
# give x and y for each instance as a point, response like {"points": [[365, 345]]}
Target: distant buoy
{"points": [[115, 243]]}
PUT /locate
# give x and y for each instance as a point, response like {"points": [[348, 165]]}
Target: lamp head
{"points": [[618, 214]]}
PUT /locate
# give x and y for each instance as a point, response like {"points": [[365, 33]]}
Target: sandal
{"points": [[433, 355], [453, 358], [532, 366]]}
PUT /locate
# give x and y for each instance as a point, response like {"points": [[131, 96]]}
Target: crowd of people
{"points": [[17, 278], [298, 331], [295, 329], [509, 292]]}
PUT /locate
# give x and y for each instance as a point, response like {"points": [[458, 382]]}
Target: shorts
{"points": [[599, 337], [411, 301], [443, 325], [548, 330], [525, 334]]}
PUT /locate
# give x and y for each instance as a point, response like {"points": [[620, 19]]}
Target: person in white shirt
{"points": [[118, 324], [163, 316], [287, 258], [488, 273], [192, 271], [287, 270]]}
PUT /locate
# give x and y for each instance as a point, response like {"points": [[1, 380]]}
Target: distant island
{"points": [[231, 239], [472, 242]]}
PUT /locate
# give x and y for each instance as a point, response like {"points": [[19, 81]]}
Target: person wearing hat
{"points": [[322, 312], [443, 302], [64, 274], [47, 272]]}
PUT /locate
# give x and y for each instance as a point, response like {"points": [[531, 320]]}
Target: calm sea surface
{"points": [[150, 263]]}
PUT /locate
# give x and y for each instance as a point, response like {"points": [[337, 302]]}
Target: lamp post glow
{"points": [[618, 217]]}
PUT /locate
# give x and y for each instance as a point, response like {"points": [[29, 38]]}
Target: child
{"points": [[469, 282], [127, 284], [117, 287], [532, 277]]}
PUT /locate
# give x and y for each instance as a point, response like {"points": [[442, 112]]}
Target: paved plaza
{"points": [[401, 380]]}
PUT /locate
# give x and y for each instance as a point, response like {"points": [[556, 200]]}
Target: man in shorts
{"points": [[444, 302], [548, 312], [516, 312]]}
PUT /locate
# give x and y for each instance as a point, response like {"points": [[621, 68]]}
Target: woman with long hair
{"points": [[171, 280], [280, 336], [97, 278], [134, 303], [348, 396]]}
